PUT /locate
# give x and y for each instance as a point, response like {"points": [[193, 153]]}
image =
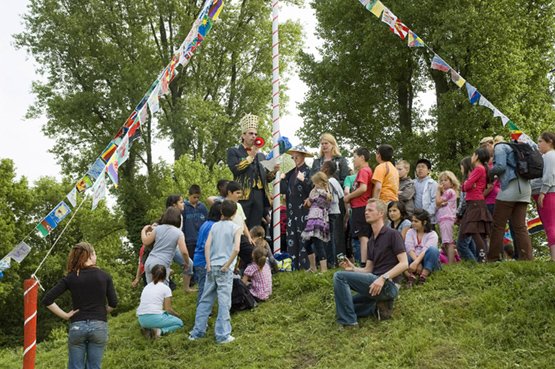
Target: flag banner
{"points": [[122, 152], [20, 252], [98, 191], [143, 115], [473, 94], [366, 2], [72, 197], [108, 152], [134, 133], [389, 18], [457, 79], [504, 119], [84, 184], [524, 138], [205, 27], [535, 226], [5, 263], [512, 126], [153, 103], [515, 135], [112, 170], [97, 168], [414, 40], [440, 64], [507, 238], [400, 29], [485, 102], [376, 8], [44, 228], [53, 218]]}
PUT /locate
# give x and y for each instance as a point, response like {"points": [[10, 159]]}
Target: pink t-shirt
{"points": [[492, 195], [475, 185], [412, 243], [364, 175], [261, 280], [449, 211]]}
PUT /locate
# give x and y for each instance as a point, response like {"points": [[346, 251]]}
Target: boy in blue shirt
{"points": [[221, 250]]}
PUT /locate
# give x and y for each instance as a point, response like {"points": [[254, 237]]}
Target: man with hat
{"points": [[296, 186], [244, 161]]}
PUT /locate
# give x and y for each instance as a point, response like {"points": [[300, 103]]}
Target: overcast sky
{"points": [[22, 140]]}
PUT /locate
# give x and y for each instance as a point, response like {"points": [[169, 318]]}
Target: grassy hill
{"points": [[466, 316]]}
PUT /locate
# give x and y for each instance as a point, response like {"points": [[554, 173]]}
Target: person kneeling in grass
{"points": [[374, 284], [155, 312]]}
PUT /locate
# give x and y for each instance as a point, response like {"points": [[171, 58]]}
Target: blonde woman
{"points": [[329, 150]]}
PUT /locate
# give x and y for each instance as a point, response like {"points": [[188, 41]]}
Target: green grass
{"points": [[466, 316]]}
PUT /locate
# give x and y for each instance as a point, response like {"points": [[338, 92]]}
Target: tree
{"points": [[364, 87]]}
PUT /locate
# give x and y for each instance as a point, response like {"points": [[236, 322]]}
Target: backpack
{"points": [[529, 161], [241, 297]]}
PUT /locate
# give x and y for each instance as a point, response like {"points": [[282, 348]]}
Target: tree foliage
{"points": [[365, 86]]}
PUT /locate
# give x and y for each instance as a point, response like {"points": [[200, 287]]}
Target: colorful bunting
{"points": [[5, 263], [414, 40], [511, 125], [440, 64], [97, 168], [99, 191], [216, 9], [84, 184], [389, 18], [72, 197], [51, 221], [457, 79], [153, 103], [535, 226], [400, 29], [112, 170], [122, 152], [473, 94], [108, 152], [377, 8], [20, 252], [485, 102]]}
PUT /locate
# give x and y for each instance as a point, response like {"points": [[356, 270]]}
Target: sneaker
{"points": [[156, 333], [348, 326], [229, 339], [384, 309], [193, 338], [147, 333]]}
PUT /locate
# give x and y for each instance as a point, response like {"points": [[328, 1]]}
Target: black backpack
{"points": [[241, 297], [529, 161]]}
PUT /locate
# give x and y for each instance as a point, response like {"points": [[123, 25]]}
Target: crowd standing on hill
{"points": [[379, 225]]}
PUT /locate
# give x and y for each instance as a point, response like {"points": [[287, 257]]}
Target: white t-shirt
{"points": [[152, 298], [239, 217], [337, 194]]}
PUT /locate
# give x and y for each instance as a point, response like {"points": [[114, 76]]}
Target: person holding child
{"points": [[258, 275], [92, 297], [421, 245], [221, 250], [155, 313], [446, 213], [317, 230]]}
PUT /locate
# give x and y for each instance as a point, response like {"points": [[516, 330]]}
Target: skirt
{"points": [[476, 218]]}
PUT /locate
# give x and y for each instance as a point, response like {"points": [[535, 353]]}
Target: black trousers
{"points": [[254, 207]]}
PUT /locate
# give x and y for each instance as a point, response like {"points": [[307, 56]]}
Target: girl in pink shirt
{"points": [[446, 211], [258, 275], [476, 221]]}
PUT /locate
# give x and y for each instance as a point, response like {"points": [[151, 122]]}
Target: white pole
{"points": [[275, 128]]}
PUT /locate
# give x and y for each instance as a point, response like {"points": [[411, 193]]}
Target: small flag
{"points": [[535, 226], [99, 191], [143, 115], [134, 133], [84, 183], [112, 170], [400, 29], [205, 26], [485, 102], [153, 103], [473, 94], [107, 153], [20, 252], [72, 197], [216, 9], [414, 40], [440, 64], [457, 79], [376, 8], [507, 238], [96, 169], [512, 126], [122, 152], [515, 135], [5, 263], [389, 18]]}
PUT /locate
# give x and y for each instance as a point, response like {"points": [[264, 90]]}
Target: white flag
{"points": [[98, 190], [72, 197], [389, 18], [20, 252]]}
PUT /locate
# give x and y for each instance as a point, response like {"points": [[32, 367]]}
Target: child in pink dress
{"points": [[258, 275], [446, 213]]}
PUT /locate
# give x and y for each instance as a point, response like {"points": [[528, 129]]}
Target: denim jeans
{"points": [[86, 342], [431, 259], [466, 248], [349, 307], [331, 249], [178, 258], [165, 321], [356, 249], [200, 278], [218, 284]]}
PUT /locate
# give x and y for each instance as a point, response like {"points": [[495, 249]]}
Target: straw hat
{"points": [[301, 150]]}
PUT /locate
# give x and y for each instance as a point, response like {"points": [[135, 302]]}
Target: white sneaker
{"points": [[191, 338], [156, 333], [229, 339]]}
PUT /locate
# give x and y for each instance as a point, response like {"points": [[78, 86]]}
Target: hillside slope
{"points": [[466, 316]]}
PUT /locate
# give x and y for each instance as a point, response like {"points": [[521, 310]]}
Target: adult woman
{"points": [[329, 150], [155, 313], [166, 236], [90, 287], [421, 245], [545, 199], [296, 186], [397, 214]]}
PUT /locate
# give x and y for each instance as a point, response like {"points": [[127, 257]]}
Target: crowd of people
{"points": [[377, 224]]}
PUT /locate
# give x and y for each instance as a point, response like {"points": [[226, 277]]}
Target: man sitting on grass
{"points": [[375, 283]]}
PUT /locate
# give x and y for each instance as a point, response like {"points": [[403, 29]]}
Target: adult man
{"points": [[244, 161], [375, 283], [425, 188]]}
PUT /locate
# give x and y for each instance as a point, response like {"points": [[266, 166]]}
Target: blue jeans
{"points": [[165, 321], [218, 284], [466, 248], [200, 277], [431, 259], [356, 249], [349, 307], [178, 258], [86, 342]]}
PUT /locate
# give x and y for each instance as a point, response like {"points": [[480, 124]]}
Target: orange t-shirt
{"points": [[388, 176]]}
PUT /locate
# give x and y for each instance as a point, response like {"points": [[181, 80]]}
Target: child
{"points": [[194, 214], [446, 213], [477, 220], [465, 245], [221, 250], [425, 189], [140, 274], [155, 312], [385, 178], [399, 218], [406, 186], [329, 168], [199, 260], [258, 275], [317, 229], [358, 198], [234, 193], [258, 235], [221, 187]]}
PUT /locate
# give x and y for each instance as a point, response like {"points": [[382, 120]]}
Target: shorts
{"points": [[360, 227]]}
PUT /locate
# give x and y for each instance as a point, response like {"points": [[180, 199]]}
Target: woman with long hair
{"points": [[329, 150], [421, 244], [545, 199]]}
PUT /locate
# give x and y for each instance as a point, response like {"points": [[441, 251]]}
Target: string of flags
{"points": [[377, 8], [117, 151]]}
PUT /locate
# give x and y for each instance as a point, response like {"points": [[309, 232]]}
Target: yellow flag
{"points": [[377, 9]]}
